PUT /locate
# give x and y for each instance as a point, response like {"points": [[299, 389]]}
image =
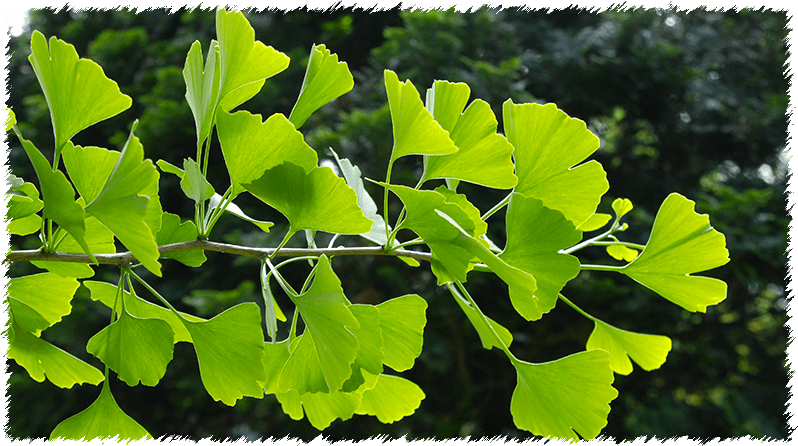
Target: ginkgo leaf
{"points": [[325, 80], [315, 199], [121, 206], [202, 86], [535, 235], [26, 318], [102, 419], [233, 209], [402, 321], [621, 252], [99, 239], [391, 399], [415, 131], [24, 202], [487, 334], [173, 231], [230, 353], [48, 294], [89, 168], [77, 91], [136, 349], [25, 225], [682, 242], [40, 359], [369, 337], [320, 408], [621, 206], [648, 351], [244, 62], [566, 397], [138, 307], [11, 119], [595, 221], [548, 143], [194, 184], [484, 157], [321, 361], [250, 146]]}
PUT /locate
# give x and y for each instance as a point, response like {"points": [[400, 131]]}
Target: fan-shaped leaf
{"points": [[595, 221], [325, 80], [24, 202], [48, 294], [621, 252], [402, 322], [173, 231], [391, 399], [202, 86], [648, 351], [194, 184]]}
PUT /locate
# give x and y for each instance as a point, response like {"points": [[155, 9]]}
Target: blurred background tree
{"points": [[692, 102]]}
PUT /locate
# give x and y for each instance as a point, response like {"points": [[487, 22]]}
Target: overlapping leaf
{"points": [[202, 86], [548, 143], [369, 337], [391, 399], [402, 321], [682, 242], [47, 295], [173, 231], [77, 91], [103, 419], [565, 397], [415, 131], [314, 199], [251, 147], [484, 157], [325, 80], [194, 184], [99, 239], [535, 234], [23, 201], [648, 351]]}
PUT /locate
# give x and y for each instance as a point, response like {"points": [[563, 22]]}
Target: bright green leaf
{"points": [[230, 353], [194, 184], [26, 318], [251, 147], [595, 221], [415, 131], [48, 294], [621, 252], [369, 336], [535, 235], [548, 143], [76, 90], [487, 334], [99, 239], [11, 119], [391, 399], [244, 62], [648, 351], [402, 322], [682, 242], [103, 419], [233, 208], [121, 207], [315, 199], [24, 203], [566, 397], [321, 361], [325, 80], [136, 349], [484, 157], [621, 206], [173, 231], [89, 168], [25, 225], [202, 86]]}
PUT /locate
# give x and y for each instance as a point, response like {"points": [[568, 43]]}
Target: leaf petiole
{"points": [[157, 295], [484, 318], [498, 207]]}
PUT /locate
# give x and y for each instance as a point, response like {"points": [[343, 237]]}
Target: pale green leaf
{"points": [[484, 157], [314, 199], [402, 322], [202, 86], [11, 119], [25, 225], [566, 397], [682, 242], [233, 209], [103, 419], [621, 252], [487, 334], [230, 353], [621, 206], [595, 221], [121, 206], [369, 336], [548, 143], [89, 168], [24, 203], [391, 399], [535, 235], [48, 294], [173, 231], [325, 80], [99, 239], [648, 351], [136, 349], [275, 356], [26, 318], [321, 408], [77, 91], [194, 184], [250, 146], [415, 131]]}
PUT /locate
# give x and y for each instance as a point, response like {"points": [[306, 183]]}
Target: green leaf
{"points": [[535, 235], [173, 231], [194, 184], [103, 419], [324, 408], [321, 361], [369, 337], [140, 308], [24, 203], [251, 147], [25, 225], [40, 359], [11, 119], [230, 353], [325, 80], [89, 168], [402, 322], [233, 209], [99, 239], [595, 221], [244, 62], [548, 143], [391, 399], [648, 351], [621, 252], [77, 91], [621, 206], [59, 197], [136, 349], [682, 242], [566, 397], [48, 294], [202, 86], [484, 157], [275, 355], [121, 207], [415, 131], [485, 332], [26, 318], [314, 199]]}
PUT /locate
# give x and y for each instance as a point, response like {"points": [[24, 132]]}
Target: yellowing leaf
{"points": [[648, 351], [621, 206]]}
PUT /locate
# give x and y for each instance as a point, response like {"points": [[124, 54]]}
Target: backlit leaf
{"points": [[202, 86], [621, 252], [682, 242], [548, 143], [23, 203], [487, 334], [89, 168], [11, 119], [595, 221], [621, 206], [391, 399], [233, 209], [648, 351], [99, 239], [194, 184], [25, 225], [369, 336], [325, 80], [402, 322], [173, 231], [48, 294]]}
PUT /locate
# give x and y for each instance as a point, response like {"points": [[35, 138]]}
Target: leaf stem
{"points": [[385, 203], [156, 294], [484, 318], [498, 206], [602, 268], [217, 212], [573, 305]]}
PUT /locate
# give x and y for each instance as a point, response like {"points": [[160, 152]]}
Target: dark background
{"points": [[690, 102]]}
